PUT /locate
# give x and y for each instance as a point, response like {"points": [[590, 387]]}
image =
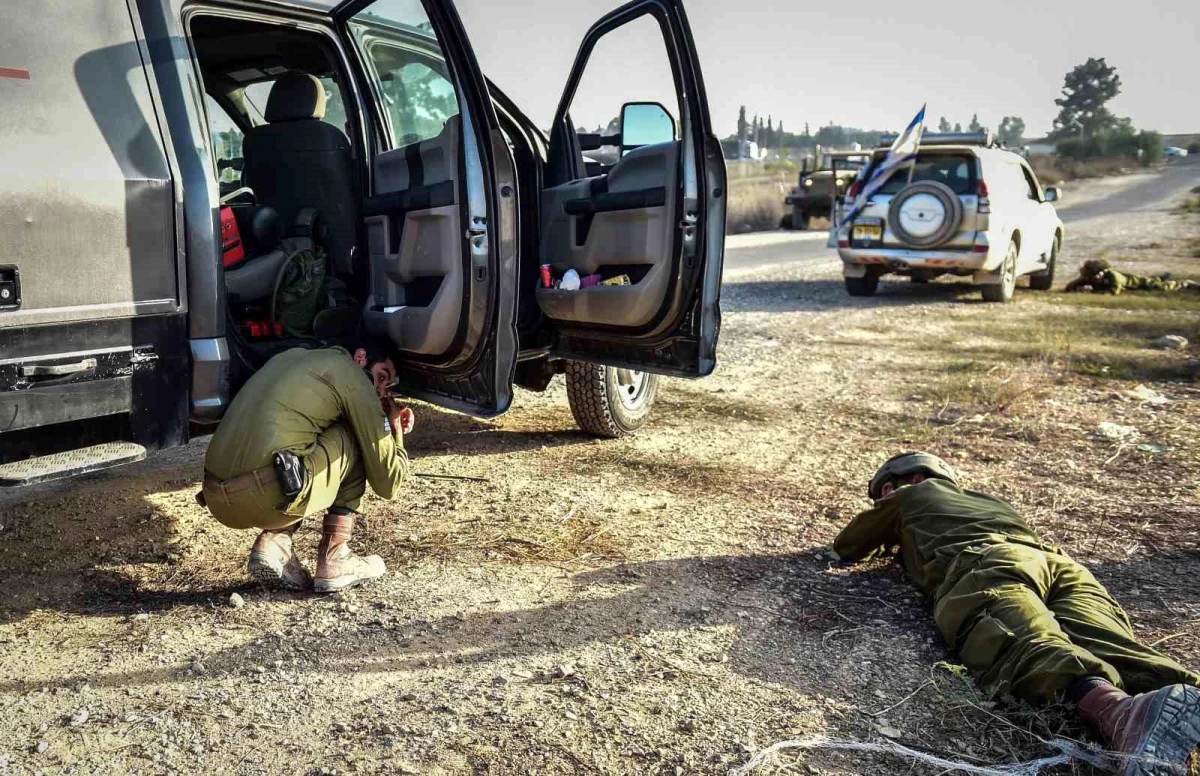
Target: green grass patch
{"points": [[1095, 335], [1183, 302]]}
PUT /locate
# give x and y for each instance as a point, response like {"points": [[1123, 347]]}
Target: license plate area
{"points": [[866, 233]]}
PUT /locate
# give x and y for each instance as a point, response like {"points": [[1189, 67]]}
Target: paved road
{"points": [[1145, 192], [1150, 192]]}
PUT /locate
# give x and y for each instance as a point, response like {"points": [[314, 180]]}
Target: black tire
{"points": [[1003, 291], [785, 222], [1044, 280], [867, 285], [800, 221], [595, 395], [949, 202]]}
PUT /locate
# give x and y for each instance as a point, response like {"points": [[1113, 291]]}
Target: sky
{"points": [[866, 63]]}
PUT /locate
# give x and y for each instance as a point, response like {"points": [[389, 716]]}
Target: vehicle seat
{"points": [[298, 161]]}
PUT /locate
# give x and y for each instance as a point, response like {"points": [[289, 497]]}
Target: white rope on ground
{"points": [[1068, 751]]}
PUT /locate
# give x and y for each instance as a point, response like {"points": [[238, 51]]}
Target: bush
{"points": [[755, 206], [1053, 169], [1117, 144], [1194, 148]]}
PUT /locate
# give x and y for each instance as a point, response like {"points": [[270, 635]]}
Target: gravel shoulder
{"points": [[656, 605]]}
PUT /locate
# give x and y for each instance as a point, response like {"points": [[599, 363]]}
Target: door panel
{"points": [[616, 224], [441, 235], [414, 239], [657, 216]]}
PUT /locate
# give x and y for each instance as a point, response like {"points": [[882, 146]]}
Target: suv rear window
{"points": [[955, 170]]}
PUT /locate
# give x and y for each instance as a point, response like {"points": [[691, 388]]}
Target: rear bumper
{"points": [[899, 260]]}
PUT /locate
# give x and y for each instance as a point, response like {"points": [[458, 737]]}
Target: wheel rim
{"points": [[631, 387], [1010, 268]]}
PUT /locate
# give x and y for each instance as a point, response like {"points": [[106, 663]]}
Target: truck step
{"points": [[70, 463]]}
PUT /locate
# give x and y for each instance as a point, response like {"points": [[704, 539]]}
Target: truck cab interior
{"points": [[287, 139], [287, 167]]}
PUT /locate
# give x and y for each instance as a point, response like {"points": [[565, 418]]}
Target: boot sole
{"points": [[1174, 735], [340, 583], [263, 570]]}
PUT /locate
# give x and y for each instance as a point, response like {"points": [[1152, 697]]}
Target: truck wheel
{"points": [[785, 222], [607, 401], [800, 221], [864, 286], [1042, 281], [1003, 291]]}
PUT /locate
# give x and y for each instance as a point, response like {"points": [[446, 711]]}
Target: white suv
{"points": [[967, 207]]}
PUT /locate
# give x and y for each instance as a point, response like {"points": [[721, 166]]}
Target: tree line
{"points": [[1084, 127], [770, 135]]}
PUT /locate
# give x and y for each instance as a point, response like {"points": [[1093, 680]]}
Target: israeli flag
{"points": [[903, 151]]}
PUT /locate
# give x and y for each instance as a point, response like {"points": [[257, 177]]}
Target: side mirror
{"points": [[645, 123], [1053, 194]]}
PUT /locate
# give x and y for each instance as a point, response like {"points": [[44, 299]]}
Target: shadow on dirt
{"points": [[1161, 585], [824, 295], [97, 544], [815, 609], [440, 432]]}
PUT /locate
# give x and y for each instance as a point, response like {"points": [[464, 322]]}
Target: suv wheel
{"points": [[864, 286], [1042, 281], [608, 401], [801, 220], [1003, 291]]}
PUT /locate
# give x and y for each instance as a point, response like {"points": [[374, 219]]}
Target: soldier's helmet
{"points": [[908, 464], [1093, 267]]}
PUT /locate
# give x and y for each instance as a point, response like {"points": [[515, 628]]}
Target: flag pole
{"points": [[912, 165]]}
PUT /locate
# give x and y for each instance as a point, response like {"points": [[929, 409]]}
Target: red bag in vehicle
{"points": [[232, 250]]}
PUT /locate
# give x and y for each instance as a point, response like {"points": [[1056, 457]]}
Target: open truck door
{"points": [[655, 217], [440, 216]]}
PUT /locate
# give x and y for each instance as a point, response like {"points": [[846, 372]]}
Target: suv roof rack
{"points": [[982, 138]]}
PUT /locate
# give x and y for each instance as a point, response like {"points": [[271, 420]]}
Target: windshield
{"points": [[954, 170]]}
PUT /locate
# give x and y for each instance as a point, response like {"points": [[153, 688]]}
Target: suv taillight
{"points": [[983, 190], [854, 190]]}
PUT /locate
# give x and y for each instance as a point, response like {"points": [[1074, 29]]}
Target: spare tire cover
{"points": [[925, 214]]}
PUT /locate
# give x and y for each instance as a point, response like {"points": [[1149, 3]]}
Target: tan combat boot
{"points": [[273, 561], [1156, 731], [337, 567]]}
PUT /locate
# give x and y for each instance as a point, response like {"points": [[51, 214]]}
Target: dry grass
{"points": [[577, 539], [755, 205], [1052, 169]]}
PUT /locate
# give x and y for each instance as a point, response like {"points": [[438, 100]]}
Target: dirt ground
{"points": [[656, 605]]}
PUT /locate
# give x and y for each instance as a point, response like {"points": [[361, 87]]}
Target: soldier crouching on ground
{"points": [[1099, 277], [1024, 616], [305, 435]]}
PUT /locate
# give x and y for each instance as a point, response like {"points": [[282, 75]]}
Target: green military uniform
{"points": [[1109, 281], [1019, 612], [320, 405]]}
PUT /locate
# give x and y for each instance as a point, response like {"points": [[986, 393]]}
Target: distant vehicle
{"points": [[1174, 152], [815, 191], [967, 207]]}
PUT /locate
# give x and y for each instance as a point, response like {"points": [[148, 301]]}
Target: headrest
{"points": [[296, 97]]}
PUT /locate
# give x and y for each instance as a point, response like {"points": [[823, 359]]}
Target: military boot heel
{"points": [[337, 566], [1156, 732], [274, 563]]}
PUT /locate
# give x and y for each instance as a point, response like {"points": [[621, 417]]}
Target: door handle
{"points": [[59, 370]]}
